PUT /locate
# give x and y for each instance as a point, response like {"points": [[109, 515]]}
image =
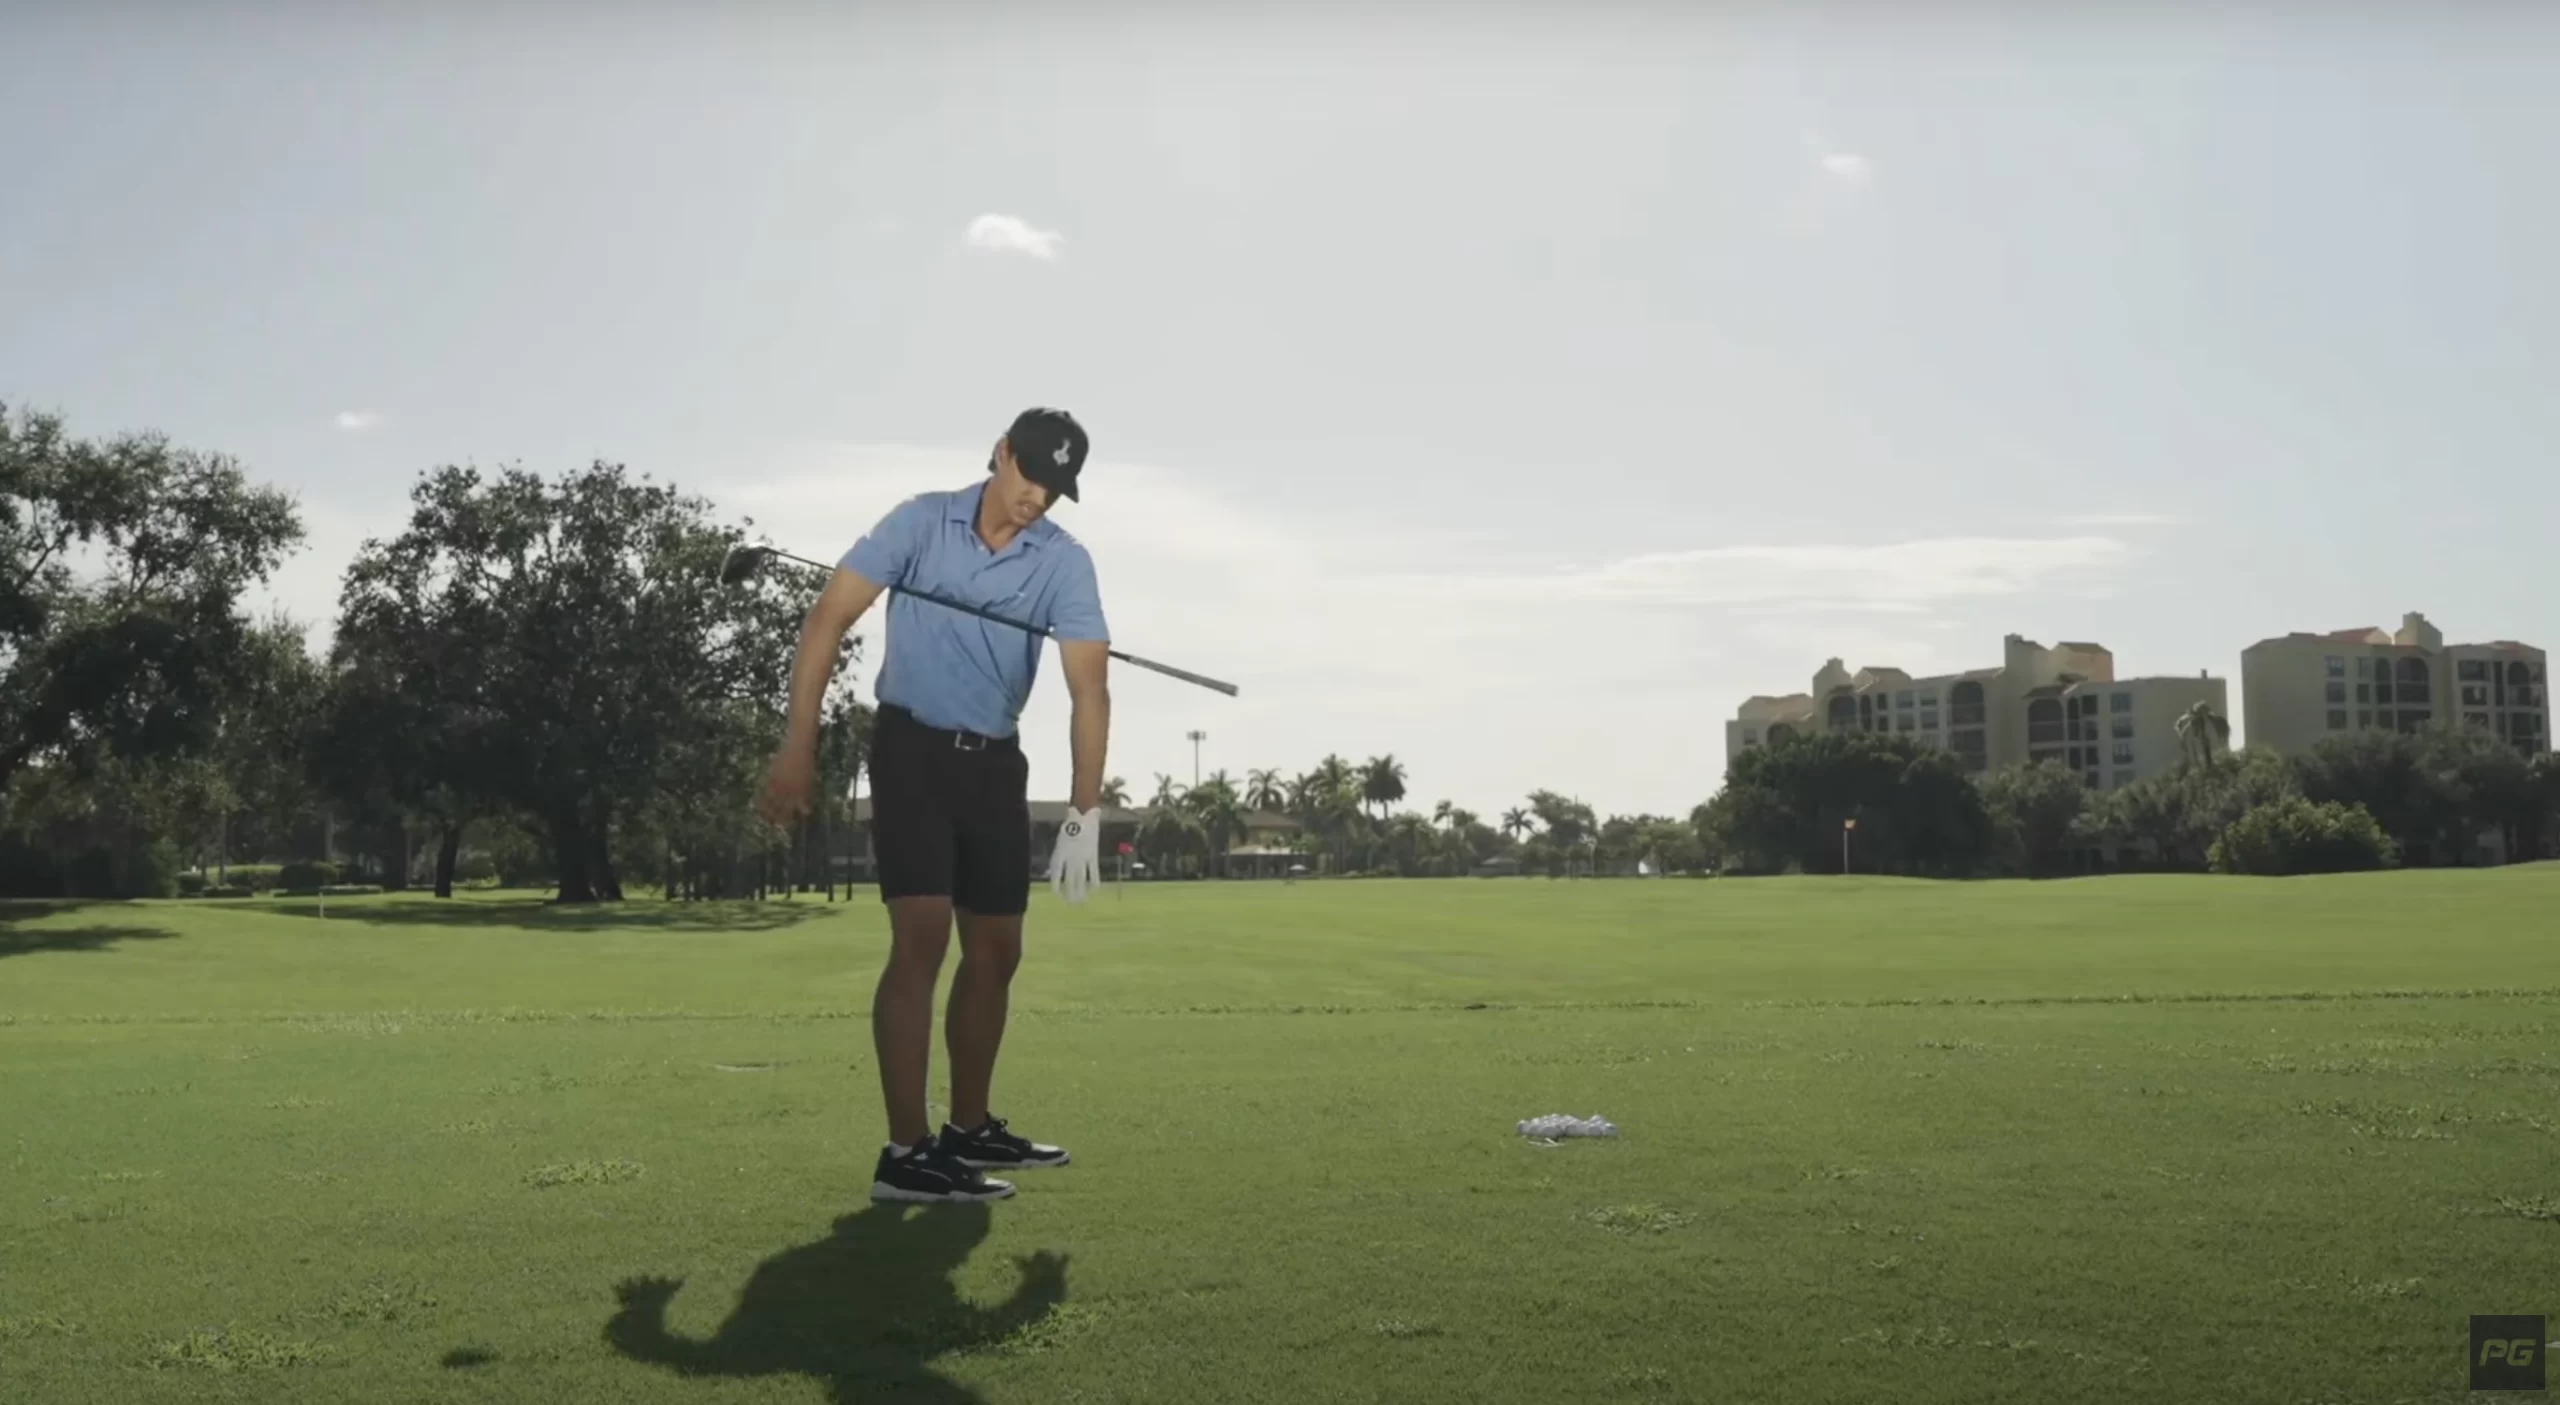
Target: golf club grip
{"points": [[1167, 670]]}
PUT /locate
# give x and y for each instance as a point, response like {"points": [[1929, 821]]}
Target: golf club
{"points": [[744, 561]]}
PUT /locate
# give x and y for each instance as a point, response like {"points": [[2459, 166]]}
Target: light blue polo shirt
{"points": [[958, 671]]}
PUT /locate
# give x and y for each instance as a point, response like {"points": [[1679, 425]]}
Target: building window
{"points": [[2364, 692], [2124, 753], [2122, 728], [2337, 666], [2364, 717], [1905, 698], [2337, 692], [2089, 779], [2120, 702], [2475, 695], [2476, 719], [2472, 670], [1905, 725], [2337, 719]]}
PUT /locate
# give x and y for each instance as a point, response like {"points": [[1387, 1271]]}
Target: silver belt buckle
{"points": [[968, 741]]}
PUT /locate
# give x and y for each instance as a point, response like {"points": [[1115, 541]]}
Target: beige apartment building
{"points": [[2061, 704], [2299, 689]]}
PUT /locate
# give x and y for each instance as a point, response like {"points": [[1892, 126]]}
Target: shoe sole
{"points": [[977, 1165], [881, 1190]]}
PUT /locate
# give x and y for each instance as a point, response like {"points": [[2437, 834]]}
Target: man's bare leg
{"points": [[902, 1011], [973, 1026]]}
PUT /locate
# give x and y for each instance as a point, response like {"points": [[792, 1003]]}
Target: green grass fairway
{"points": [[2114, 1140]]}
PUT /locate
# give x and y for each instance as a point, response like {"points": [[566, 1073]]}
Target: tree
{"points": [[2203, 734], [1382, 782], [136, 660], [1516, 822], [1916, 810], [585, 661], [2293, 835], [2540, 823], [1263, 791], [1567, 822], [1219, 814], [1115, 794], [2035, 811]]}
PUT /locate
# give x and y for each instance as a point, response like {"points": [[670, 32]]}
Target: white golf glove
{"points": [[1075, 861]]}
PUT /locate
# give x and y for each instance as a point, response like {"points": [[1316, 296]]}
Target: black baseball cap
{"points": [[1049, 447]]}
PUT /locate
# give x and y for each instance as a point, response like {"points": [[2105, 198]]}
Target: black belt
{"points": [[956, 739]]}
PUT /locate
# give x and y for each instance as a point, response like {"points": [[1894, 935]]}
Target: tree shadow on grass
{"points": [[863, 1312], [544, 915], [19, 938]]}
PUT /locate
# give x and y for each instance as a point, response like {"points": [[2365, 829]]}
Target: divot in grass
{"points": [[229, 1349], [381, 1300], [1636, 1219], [2544, 1208], [563, 1173], [1396, 1328], [30, 1327]]}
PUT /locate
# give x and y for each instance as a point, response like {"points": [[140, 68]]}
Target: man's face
{"points": [[1022, 501]]}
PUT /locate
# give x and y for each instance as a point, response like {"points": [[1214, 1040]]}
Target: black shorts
{"points": [[950, 815]]}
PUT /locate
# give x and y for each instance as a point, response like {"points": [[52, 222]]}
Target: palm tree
{"points": [[1115, 794], [1382, 782], [1516, 822], [1168, 792], [1262, 790], [2203, 732], [1332, 774], [1169, 836], [1220, 814]]}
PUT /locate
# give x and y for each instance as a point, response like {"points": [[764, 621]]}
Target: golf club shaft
{"points": [[1168, 670]]}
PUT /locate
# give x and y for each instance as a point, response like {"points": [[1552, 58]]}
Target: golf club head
{"points": [[742, 562]]}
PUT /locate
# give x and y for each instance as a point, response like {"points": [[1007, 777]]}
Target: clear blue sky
{"points": [[1515, 395]]}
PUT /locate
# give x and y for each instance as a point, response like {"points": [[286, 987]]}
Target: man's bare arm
{"points": [[1088, 667], [831, 616]]}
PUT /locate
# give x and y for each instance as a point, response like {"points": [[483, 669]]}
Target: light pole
{"points": [[1196, 737]]}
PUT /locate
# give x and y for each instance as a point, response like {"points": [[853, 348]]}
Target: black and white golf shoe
{"points": [[995, 1147], [930, 1173]]}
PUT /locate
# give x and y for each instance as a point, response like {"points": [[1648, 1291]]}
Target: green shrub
{"points": [[154, 871], [2294, 835], [192, 885], [256, 877], [306, 875]]}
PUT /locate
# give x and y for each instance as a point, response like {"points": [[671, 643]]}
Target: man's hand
{"points": [[1075, 861], [790, 785]]}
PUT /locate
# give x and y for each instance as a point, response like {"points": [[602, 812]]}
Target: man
{"points": [[950, 816]]}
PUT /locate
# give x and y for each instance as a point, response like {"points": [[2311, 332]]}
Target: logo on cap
{"points": [[1065, 447]]}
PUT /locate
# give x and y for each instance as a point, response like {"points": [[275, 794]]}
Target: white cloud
{"points": [[2123, 519], [358, 419], [1848, 167], [1005, 234], [1488, 678]]}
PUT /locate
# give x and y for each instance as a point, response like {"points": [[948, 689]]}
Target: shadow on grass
{"points": [[544, 915], [18, 939], [863, 1312]]}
